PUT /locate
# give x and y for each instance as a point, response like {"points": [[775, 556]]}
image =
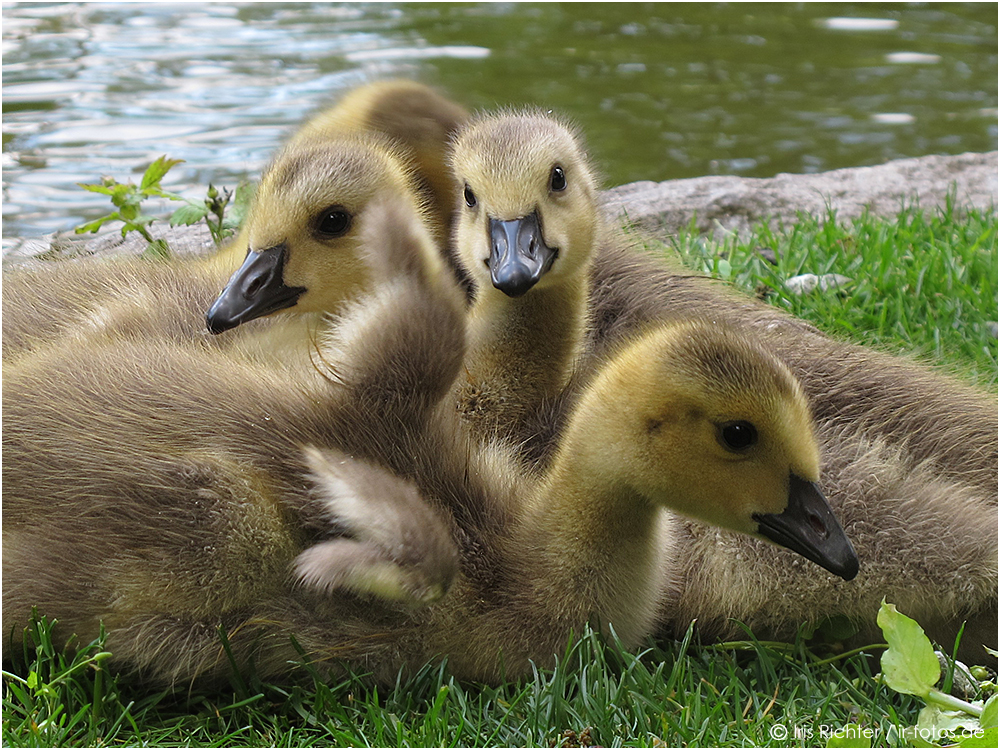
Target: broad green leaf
{"points": [[989, 739], [104, 189], [242, 201], [156, 171], [937, 720], [909, 664], [93, 226], [851, 735], [989, 717], [187, 215], [142, 220]]}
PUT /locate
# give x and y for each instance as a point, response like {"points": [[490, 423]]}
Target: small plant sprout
{"points": [[127, 199], [910, 666], [213, 210]]}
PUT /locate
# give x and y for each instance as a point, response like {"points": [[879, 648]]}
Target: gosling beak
{"points": [[808, 526], [255, 290], [519, 256]]}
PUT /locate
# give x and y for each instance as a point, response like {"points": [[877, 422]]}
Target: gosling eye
{"points": [[333, 222], [557, 180], [737, 436], [470, 197]]}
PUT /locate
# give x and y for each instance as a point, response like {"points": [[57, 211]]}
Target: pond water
{"points": [[661, 90]]}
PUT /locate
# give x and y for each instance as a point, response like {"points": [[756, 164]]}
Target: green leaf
{"points": [[242, 201], [187, 215], [989, 717], [121, 193], [104, 189], [835, 628], [851, 735], [937, 720], [988, 739], [93, 226], [157, 170], [909, 665], [142, 220]]}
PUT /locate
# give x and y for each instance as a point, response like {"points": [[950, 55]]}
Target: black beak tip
{"points": [[514, 286], [848, 569], [217, 325]]}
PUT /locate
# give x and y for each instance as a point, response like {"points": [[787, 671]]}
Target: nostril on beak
{"points": [[264, 278], [253, 287], [818, 526]]}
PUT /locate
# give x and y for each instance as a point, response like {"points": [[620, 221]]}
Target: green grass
{"points": [[674, 693], [924, 284]]}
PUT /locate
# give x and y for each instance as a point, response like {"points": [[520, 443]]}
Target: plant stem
{"points": [[846, 654], [144, 232], [952, 703]]}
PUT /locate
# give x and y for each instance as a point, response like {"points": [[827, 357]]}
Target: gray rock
{"points": [[193, 240], [963, 684], [807, 282], [736, 203]]}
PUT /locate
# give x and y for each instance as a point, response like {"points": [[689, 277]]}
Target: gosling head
{"points": [[708, 423], [304, 244], [528, 213]]}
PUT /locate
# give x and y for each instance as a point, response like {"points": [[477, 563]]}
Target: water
{"points": [[661, 90]]}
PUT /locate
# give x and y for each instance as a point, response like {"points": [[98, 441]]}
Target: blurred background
{"points": [[662, 90]]}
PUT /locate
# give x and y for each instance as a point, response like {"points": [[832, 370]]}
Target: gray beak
{"points": [[519, 256], [808, 526], [255, 290]]}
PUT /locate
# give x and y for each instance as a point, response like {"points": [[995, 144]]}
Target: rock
{"points": [[963, 684], [735, 203], [716, 203], [807, 282], [192, 240]]}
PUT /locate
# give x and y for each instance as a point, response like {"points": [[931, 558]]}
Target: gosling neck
{"points": [[601, 547], [545, 325], [522, 353]]}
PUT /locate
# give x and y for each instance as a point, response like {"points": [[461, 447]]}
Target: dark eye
{"points": [[737, 436], [470, 197], [333, 222], [557, 180]]}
